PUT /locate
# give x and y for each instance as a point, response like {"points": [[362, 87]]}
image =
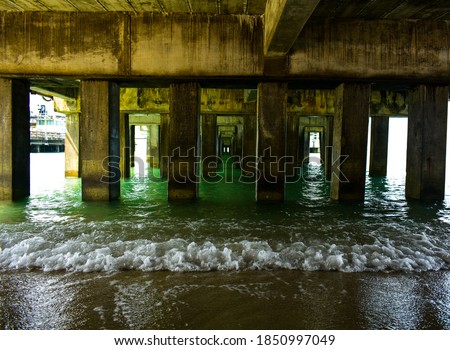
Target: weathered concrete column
{"points": [[72, 143], [292, 145], [153, 145], [14, 139], [350, 142], [271, 141], [209, 145], [328, 143], [184, 140], [125, 147], [379, 139], [100, 140], [238, 141], [164, 145], [132, 144], [427, 141], [248, 163]]}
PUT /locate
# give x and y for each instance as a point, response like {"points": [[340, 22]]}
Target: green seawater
{"points": [[224, 260]]}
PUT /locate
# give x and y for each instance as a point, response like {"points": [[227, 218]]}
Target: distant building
{"points": [[47, 127]]}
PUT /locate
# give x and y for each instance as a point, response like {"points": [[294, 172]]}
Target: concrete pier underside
{"points": [[299, 59]]}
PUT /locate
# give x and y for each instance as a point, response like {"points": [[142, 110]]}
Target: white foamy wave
{"points": [[83, 254]]}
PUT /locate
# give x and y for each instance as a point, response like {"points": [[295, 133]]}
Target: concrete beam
{"points": [[284, 20], [322, 102], [390, 50], [213, 101], [235, 102], [120, 44], [64, 93], [144, 119], [63, 43], [196, 45], [230, 119], [164, 47]]}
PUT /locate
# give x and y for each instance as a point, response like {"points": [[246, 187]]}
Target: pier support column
{"points": [[164, 145], [132, 145], [350, 142], [100, 140], [14, 139], [248, 163], [427, 140], [184, 138], [125, 147], [379, 137], [328, 143], [238, 142], [209, 145], [292, 145], [271, 141], [153, 145], [72, 143]]}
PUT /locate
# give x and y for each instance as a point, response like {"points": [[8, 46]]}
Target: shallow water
{"points": [[277, 299], [224, 230], [223, 261]]}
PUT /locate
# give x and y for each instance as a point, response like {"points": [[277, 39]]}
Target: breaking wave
{"points": [[83, 255]]}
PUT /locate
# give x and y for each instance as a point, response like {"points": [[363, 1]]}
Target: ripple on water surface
{"points": [[224, 230]]}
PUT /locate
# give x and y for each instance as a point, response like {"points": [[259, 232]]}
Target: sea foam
{"points": [[83, 254]]}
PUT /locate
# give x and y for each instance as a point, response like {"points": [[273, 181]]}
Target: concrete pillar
{"points": [[238, 141], [220, 145], [306, 143], [292, 145], [303, 152], [100, 140], [328, 143], [350, 142], [248, 163], [427, 141], [209, 145], [72, 143], [132, 144], [14, 139], [271, 141], [164, 145], [184, 138], [125, 147], [153, 145], [379, 139]]}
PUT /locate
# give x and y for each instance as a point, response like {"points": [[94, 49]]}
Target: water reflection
{"points": [[225, 300], [270, 263]]}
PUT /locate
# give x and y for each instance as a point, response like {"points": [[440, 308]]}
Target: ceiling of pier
{"points": [[384, 9], [250, 7], [375, 9]]}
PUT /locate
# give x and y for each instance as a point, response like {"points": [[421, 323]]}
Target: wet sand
{"points": [[224, 300]]}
